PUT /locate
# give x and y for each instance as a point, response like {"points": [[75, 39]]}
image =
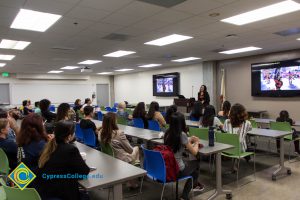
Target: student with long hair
{"points": [[60, 158], [178, 141], [46, 114], [196, 112], [87, 122], [203, 96], [224, 113], [140, 112], [209, 118], [26, 107], [154, 114], [77, 105], [172, 109]]}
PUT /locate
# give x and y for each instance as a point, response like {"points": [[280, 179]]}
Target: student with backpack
{"points": [[178, 141]]}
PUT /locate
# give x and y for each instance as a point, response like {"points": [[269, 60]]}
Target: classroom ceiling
{"points": [[80, 34]]}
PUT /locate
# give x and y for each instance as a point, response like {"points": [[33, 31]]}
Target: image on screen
{"points": [[283, 78], [164, 85]]}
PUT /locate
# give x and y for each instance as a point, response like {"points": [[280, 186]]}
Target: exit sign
{"points": [[5, 74]]}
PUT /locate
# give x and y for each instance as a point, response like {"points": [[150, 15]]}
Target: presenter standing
{"points": [[203, 96]]}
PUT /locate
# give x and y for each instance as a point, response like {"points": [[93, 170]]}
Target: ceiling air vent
{"points": [[288, 32], [116, 37], [164, 3]]}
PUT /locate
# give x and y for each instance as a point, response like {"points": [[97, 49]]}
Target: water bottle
{"points": [[211, 137]]}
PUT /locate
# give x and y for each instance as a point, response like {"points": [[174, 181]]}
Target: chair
{"points": [[108, 109], [154, 164], [89, 137], [201, 133], [13, 193], [107, 149], [79, 133], [153, 125], [235, 153], [114, 109], [194, 119], [122, 120], [116, 105], [4, 164], [52, 108], [100, 115], [253, 123], [102, 108], [138, 122]]}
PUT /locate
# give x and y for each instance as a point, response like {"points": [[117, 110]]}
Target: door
{"points": [[102, 94], [4, 91]]}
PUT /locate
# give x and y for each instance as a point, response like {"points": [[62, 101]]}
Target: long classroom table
{"points": [[267, 121], [114, 171]]}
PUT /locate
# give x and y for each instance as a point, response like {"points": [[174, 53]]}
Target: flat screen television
{"points": [[276, 79], [166, 85]]}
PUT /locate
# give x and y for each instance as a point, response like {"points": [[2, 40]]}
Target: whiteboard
{"points": [[56, 93]]}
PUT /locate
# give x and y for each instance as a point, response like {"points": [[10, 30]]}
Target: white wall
{"points": [[57, 91], [137, 87]]}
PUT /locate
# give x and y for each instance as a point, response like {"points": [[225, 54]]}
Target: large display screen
{"points": [[166, 84]]}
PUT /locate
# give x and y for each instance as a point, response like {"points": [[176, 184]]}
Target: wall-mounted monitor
{"points": [[276, 79], [166, 85]]}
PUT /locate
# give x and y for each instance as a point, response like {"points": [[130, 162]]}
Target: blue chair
{"points": [[163, 113], [138, 122], [154, 164], [78, 133], [89, 137], [194, 119], [114, 109], [52, 108], [153, 125], [108, 109], [116, 105], [100, 115]]}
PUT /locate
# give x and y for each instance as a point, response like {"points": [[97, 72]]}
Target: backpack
{"points": [[172, 168]]}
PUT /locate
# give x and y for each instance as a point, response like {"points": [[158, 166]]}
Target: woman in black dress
{"points": [[203, 95]]}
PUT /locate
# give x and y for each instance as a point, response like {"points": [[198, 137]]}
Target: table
{"points": [[192, 123], [267, 121], [114, 171], [274, 134], [217, 149], [255, 113]]}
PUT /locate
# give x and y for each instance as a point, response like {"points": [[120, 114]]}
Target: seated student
{"points": [[60, 157], [77, 105], [46, 114], [224, 113], [196, 112], [31, 140], [178, 141], [63, 112], [121, 111], [209, 118], [13, 126], [172, 109], [26, 109], [140, 112], [87, 122], [37, 109], [154, 114], [8, 143], [285, 117], [87, 102]]}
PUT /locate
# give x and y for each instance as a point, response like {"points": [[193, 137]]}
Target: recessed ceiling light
{"points": [[119, 53], [240, 50], [168, 40], [34, 20], [2, 64], [70, 67], [186, 59], [13, 44], [55, 72], [273, 10], [123, 70], [298, 38], [150, 65], [104, 73], [89, 62], [6, 57]]}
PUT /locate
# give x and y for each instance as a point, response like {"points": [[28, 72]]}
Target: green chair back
{"points": [[231, 139], [129, 111], [107, 149], [253, 123], [15, 193], [280, 126], [102, 108], [2, 193], [4, 164], [201, 133], [121, 120]]}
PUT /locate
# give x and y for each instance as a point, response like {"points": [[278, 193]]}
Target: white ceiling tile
{"points": [[197, 6], [119, 19], [105, 28], [140, 9], [109, 5], [12, 3], [171, 16], [48, 6], [86, 13]]}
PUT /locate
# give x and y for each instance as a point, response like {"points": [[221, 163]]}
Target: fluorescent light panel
{"points": [[298, 39], [13, 44], [104, 73], [119, 53], [273, 10], [34, 20], [70, 67], [241, 50], [186, 59], [150, 65], [123, 70], [6, 57], [168, 40], [55, 72], [89, 62], [2, 64]]}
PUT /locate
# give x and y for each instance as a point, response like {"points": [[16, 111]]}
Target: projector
{"points": [[86, 70]]}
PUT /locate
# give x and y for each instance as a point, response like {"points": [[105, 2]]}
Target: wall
{"points": [[238, 84], [65, 90], [137, 87]]}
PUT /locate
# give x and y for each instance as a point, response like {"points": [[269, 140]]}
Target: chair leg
{"points": [[142, 181], [237, 173], [290, 150], [162, 192], [254, 167]]}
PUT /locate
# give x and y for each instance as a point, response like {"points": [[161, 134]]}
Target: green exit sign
{"points": [[5, 74]]}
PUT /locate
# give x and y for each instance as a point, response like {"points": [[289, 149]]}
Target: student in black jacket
{"points": [[47, 115], [60, 158]]}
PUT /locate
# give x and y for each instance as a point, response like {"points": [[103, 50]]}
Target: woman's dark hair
{"points": [[205, 88], [172, 109], [172, 136], [109, 124], [44, 105], [284, 115], [3, 113], [226, 108], [62, 111], [154, 107], [87, 100], [87, 110], [37, 104], [238, 115], [139, 110], [197, 110], [32, 129], [24, 103], [208, 116], [62, 130]]}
